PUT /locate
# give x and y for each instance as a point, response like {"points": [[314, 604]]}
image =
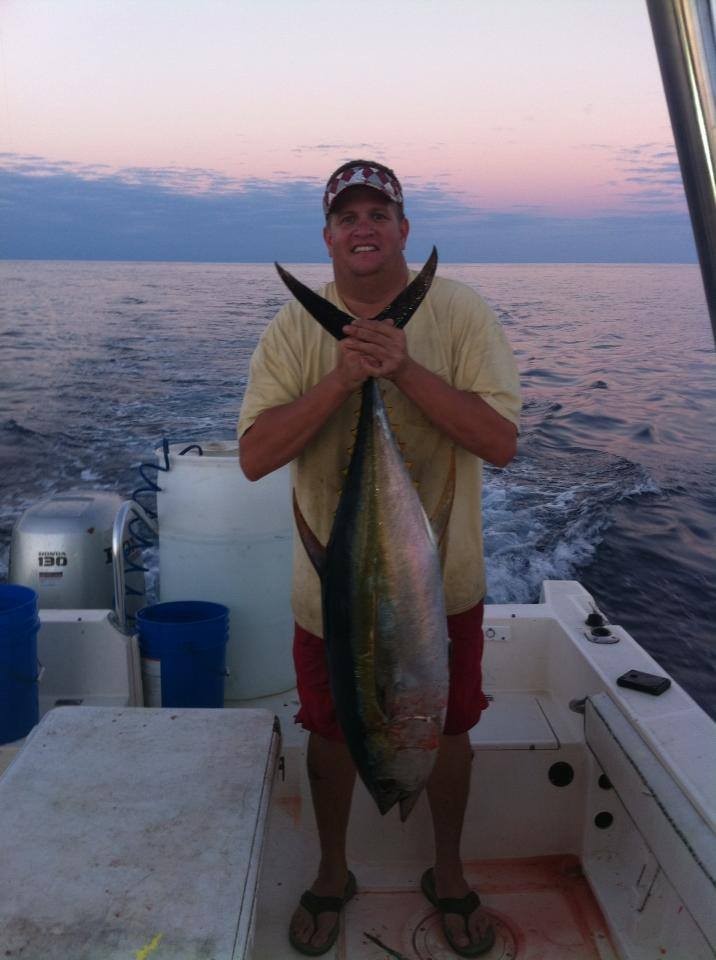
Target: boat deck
{"points": [[589, 831], [542, 909]]}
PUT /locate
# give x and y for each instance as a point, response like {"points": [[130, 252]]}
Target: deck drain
{"points": [[429, 940]]}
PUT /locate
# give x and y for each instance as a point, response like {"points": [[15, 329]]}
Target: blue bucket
{"points": [[19, 698], [183, 649]]}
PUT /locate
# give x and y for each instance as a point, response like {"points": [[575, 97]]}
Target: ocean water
{"points": [[614, 483]]}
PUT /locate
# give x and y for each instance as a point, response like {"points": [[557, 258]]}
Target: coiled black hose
{"points": [[136, 540]]}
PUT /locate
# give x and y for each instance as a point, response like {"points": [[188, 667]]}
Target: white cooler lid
{"points": [[135, 833]]}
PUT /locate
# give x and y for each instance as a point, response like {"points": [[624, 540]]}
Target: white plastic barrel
{"points": [[227, 540]]}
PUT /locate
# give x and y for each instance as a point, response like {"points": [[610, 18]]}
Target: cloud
{"points": [[653, 169], [350, 147], [59, 210], [648, 173], [524, 237], [52, 212]]}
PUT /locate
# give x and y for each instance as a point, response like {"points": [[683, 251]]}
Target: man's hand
{"points": [[352, 368], [375, 348]]}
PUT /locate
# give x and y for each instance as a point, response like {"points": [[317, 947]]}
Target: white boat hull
{"points": [[589, 834]]}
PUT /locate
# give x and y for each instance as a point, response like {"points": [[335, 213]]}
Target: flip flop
{"points": [[316, 905], [463, 906]]}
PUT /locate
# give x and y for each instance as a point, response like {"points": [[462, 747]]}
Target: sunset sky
{"points": [[527, 130]]}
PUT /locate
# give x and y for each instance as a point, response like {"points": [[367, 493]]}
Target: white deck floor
{"points": [[542, 907]]}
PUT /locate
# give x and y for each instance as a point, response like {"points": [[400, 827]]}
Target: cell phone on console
{"points": [[644, 682]]}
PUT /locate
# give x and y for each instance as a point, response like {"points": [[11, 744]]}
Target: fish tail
{"points": [[332, 319], [329, 316]]}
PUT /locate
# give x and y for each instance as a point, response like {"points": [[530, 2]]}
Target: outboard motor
{"points": [[61, 547]]}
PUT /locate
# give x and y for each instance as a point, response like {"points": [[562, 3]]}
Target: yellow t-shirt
{"points": [[455, 335]]}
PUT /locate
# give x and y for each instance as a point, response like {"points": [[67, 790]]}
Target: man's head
{"points": [[363, 173], [366, 230]]}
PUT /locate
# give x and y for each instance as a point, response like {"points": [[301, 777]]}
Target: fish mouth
{"points": [[388, 792]]}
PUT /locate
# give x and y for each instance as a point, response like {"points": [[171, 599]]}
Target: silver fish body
{"points": [[384, 617]]}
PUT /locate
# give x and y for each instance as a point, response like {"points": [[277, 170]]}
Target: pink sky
{"points": [[556, 105]]}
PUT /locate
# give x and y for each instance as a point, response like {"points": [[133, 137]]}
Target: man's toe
{"points": [[455, 927]]}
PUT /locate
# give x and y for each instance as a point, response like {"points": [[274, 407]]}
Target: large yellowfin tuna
{"points": [[383, 605]]}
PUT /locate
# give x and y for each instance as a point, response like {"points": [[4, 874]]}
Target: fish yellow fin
{"points": [[314, 548], [441, 514]]}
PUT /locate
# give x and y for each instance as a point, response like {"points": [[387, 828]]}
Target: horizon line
{"points": [[327, 263]]}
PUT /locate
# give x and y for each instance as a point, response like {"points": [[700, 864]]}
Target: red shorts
{"points": [[466, 701]]}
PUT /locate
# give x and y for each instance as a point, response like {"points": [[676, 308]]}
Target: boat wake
{"points": [[545, 517]]}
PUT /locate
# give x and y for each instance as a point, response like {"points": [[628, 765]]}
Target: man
{"points": [[450, 385]]}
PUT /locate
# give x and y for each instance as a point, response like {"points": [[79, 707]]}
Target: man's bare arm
{"points": [[461, 415], [375, 349], [278, 435]]}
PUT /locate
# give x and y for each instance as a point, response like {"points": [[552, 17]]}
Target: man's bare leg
{"points": [[332, 774], [448, 789]]}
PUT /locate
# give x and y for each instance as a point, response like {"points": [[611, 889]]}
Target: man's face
{"points": [[365, 234]]}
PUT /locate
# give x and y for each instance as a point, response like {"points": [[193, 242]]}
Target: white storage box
{"points": [[133, 832]]}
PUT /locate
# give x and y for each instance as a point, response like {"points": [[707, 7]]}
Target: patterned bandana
{"points": [[362, 173]]}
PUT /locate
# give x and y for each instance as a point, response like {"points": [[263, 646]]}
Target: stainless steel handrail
{"points": [[119, 530], [684, 38]]}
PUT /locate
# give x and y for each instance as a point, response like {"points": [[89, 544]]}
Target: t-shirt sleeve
{"points": [[483, 360], [274, 372]]}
